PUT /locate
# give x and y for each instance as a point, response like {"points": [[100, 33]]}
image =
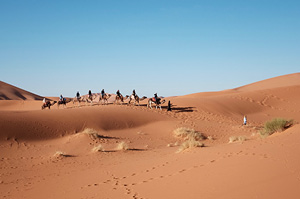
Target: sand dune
{"points": [[9, 92], [51, 153]]}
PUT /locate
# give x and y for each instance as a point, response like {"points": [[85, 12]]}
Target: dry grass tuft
{"points": [[191, 138], [91, 132], [237, 139], [122, 146], [189, 144], [59, 154], [98, 148], [187, 133], [275, 125]]}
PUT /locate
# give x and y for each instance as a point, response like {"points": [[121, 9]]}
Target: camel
{"points": [[104, 98], [63, 102], [157, 102], [89, 99], [78, 100], [135, 99], [48, 104], [120, 98]]}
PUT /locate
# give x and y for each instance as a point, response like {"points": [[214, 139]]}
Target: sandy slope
{"points": [[256, 168], [10, 92]]}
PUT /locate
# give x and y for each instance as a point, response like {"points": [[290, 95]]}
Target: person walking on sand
{"points": [[245, 120], [169, 106]]}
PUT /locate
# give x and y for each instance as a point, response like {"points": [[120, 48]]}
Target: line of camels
{"points": [[104, 100]]}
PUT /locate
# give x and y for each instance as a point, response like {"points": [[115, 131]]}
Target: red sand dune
{"points": [[9, 92], [255, 168]]}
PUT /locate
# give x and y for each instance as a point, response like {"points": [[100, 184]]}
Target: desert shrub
{"points": [[275, 125], [98, 148], [187, 134], [237, 138], [190, 136], [191, 143], [59, 154], [91, 132], [122, 146]]}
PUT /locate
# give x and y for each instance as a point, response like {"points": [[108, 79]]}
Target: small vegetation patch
{"points": [[98, 148], [187, 133], [191, 138], [189, 144], [91, 132], [275, 125], [59, 154], [122, 146], [237, 139]]}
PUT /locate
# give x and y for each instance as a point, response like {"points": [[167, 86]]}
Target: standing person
{"points": [[102, 93], [169, 106], [245, 119], [44, 101]]}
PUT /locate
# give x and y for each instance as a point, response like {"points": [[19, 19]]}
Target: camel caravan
{"points": [[103, 99]]}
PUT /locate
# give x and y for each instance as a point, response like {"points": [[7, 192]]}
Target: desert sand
{"points": [[51, 153]]}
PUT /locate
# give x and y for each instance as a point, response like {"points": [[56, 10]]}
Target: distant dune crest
{"points": [[275, 82], [10, 92]]}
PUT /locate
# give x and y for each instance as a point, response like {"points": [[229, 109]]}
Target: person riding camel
{"points": [[61, 98], [90, 94], [44, 101], [102, 93], [118, 93], [156, 98], [78, 95], [133, 93]]}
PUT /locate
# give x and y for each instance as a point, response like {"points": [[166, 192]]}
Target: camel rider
{"points": [[102, 93], [61, 98], [155, 97], [90, 94], [118, 93], [78, 95], [133, 93]]}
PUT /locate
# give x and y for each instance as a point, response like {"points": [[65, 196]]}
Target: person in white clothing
{"points": [[245, 120]]}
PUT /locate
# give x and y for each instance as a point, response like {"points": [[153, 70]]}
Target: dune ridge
{"points": [[10, 92]]}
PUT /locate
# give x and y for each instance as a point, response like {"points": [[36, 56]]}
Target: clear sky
{"points": [[172, 47]]}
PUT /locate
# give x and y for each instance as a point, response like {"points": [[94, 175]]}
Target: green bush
{"points": [[275, 125]]}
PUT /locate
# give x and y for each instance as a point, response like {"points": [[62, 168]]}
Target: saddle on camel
{"points": [[47, 104]]}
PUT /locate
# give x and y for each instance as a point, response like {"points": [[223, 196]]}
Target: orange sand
{"points": [[255, 168]]}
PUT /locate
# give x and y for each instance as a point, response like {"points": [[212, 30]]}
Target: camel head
{"points": [[144, 97]]}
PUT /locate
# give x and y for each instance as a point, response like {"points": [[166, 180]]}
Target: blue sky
{"points": [[172, 47]]}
